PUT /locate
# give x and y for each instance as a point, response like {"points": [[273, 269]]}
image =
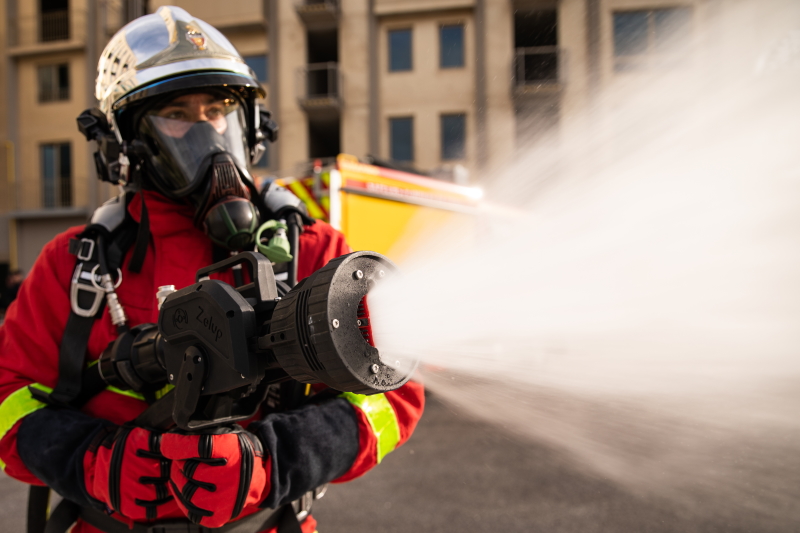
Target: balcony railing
{"points": [[319, 87], [54, 26], [317, 13], [48, 28], [53, 94], [56, 192], [537, 66], [40, 194]]}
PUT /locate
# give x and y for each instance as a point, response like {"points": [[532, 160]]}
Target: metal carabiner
{"points": [[95, 276], [75, 290]]}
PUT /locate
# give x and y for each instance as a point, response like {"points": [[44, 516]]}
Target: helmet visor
{"points": [[187, 132]]}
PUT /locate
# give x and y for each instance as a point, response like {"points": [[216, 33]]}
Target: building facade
{"points": [[448, 87]]}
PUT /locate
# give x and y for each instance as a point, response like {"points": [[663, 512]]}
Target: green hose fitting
{"points": [[277, 248]]}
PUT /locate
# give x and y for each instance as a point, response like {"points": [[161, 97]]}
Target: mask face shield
{"points": [[186, 132]]}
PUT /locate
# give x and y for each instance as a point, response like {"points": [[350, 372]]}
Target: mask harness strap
{"points": [[142, 240]]}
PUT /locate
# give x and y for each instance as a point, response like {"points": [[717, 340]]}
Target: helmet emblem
{"points": [[196, 37]]}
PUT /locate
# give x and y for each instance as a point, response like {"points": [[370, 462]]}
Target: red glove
{"points": [[215, 475], [126, 471]]}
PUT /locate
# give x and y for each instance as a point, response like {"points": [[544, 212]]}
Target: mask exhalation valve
{"points": [[228, 216]]}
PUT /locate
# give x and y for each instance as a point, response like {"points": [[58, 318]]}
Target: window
{"points": [[535, 28], [642, 36], [454, 133], [53, 20], [536, 47], [53, 82], [451, 46], [399, 50], [322, 45], [401, 138], [324, 136], [260, 66], [56, 175]]}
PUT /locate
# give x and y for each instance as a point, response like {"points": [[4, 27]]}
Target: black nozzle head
{"points": [[320, 332]]}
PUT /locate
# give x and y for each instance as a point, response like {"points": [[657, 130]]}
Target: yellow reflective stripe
{"points": [[131, 394], [139, 396], [17, 406], [160, 393], [381, 417], [301, 192], [128, 393], [21, 403]]}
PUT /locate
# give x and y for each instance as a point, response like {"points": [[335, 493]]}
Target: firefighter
{"points": [[181, 105]]}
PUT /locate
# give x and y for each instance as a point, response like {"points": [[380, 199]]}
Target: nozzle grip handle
{"points": [[188, 386], [260, 272]]}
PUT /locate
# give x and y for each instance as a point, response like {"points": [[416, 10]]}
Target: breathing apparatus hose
{"points": [[115, 309]]}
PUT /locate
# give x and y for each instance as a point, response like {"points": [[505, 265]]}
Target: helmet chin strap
{"points": [[225, 212]]}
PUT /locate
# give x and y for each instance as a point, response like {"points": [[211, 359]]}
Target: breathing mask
{"points": [[197, 150]]}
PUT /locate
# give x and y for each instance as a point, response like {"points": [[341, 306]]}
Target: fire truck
{"points": [[383, 209]]}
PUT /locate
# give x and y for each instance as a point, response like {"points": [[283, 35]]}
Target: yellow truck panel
{"points": [[381, 209]]}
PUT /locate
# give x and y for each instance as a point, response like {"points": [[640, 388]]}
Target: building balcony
{"points": [[538, 69], [319, 88], [47, 32], [53, 94], [54, 26], [40, 195], [318, 13]]}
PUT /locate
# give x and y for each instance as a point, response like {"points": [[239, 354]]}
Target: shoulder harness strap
{"points": [[118, 230]]}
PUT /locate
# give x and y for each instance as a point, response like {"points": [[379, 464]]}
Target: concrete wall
{"points": [[394, 7], [5, 188], [33, 234], [499, 39], [221, 15], [35, 123], [354, 53], [292, 49], [50, 122], [3, 91], [250, 42], [573, 43], [4, 237], [242, 21], [427, 91]]}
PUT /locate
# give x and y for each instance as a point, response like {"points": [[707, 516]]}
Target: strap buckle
{"points": [[79, 284], [86, 249], [302, 506]]}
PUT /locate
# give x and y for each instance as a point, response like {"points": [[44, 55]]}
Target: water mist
{"points": [[633, 293]]}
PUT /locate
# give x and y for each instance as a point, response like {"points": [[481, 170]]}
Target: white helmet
{"points": [[142, 58], [158, 56], [181, 102]]}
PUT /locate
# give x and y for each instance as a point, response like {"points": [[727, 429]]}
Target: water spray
{"points": [[642, 316]]}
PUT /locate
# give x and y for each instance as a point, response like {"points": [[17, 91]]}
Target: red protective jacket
{"points": [[30, 337]]}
